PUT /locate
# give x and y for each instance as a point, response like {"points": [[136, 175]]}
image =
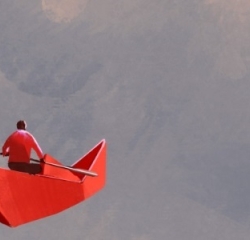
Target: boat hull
{"points": [[25, 197]]}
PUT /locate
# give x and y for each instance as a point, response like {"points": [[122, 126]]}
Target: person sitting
{"points": [[18, 147]]}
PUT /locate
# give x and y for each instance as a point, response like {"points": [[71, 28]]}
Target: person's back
{"points": [[18, 147]]}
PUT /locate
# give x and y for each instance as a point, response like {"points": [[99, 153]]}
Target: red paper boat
{"points": [[25, 197]]}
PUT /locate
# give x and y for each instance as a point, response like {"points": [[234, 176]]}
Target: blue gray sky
{"points": [[165, 82]]}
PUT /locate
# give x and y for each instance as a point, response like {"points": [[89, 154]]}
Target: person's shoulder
{"points": [[26, 133], [29, 135], [14, 133]]}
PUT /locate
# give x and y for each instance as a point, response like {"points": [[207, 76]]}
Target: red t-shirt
{"points": [[19, 144]]}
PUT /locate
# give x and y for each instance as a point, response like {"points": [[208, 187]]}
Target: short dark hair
{"points": [[21, 124]]}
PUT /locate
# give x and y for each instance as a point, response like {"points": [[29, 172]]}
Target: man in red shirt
{"points": [[18, 147]]}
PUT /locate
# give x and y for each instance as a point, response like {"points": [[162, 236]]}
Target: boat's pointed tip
{"points": [[103, 141]]}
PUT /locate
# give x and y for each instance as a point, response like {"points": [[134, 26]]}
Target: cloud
{"points": [[223, 35], [63, 10]]}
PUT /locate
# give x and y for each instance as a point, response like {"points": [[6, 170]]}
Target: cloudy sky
{"points": [[165, 82]]}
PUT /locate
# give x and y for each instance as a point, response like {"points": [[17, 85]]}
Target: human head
{"points": [[21, 124]]}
